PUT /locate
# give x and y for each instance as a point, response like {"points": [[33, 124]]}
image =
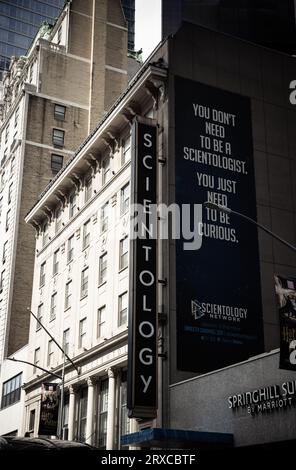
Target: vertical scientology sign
{"points": [[142, 329], [218, 294]]}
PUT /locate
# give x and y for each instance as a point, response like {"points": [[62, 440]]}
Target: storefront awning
{"points": [[177, 438]]}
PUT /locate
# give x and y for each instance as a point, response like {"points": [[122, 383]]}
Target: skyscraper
{"points": [[21, 19], [269, 23], [19, 23], [129, 12]]}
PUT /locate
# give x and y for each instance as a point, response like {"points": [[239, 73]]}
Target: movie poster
{"points": [[49, 409], [286, 296]]}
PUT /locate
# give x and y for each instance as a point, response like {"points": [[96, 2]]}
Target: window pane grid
{"points": [[11, 391], [84, 282]]}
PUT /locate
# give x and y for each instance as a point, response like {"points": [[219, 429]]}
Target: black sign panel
{"points": [[142, 331], [286, 297], [219, 311], [49, 409]]}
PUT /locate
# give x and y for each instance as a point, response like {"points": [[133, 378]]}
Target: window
{"points": [[2, 280], [66, 336], [82, 333], [10, 193], [124, 420], [39, 316], [59, 112], [104, 217], [103, 410], [70, 249], [123, 253], [6, 134], [86, 235], [42, 274], [58, 137], [7, 220], [45, 234], [82, 415], [59, 35], [30, 78], [68, 294], [56, 163], [122, 309], [101, 326], [53, 307], [88, 188], [36, 359], [4, 252], [124, 199], [55, 266], [58, 216], [66, 418], [72, 207], [32, 421], [16, 116], [50, 353], [84, 283], [11, 391], [126, 150], [12, 163], [3, 175], [103, 268], [106, 170]]}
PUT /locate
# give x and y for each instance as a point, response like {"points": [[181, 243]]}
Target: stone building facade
{"points": [[81, 276], [51, 99]]}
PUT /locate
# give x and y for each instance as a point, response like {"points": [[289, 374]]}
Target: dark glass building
{"points": [[269, 23], [129, 11], [21, 19]]}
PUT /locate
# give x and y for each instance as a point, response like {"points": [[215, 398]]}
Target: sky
{"points": [[148, 25]]}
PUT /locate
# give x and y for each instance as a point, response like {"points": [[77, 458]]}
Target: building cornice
{"points": [[79, 360], [150, 73]]}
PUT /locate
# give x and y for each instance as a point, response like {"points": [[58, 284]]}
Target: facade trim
{"points": [[48, 147], [117, 26], [143, 75], [59, 100], [78, 57], [81, 14], [231, 366], [115, 69]]}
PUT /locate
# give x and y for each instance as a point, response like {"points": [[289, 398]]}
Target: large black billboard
{"points": [[218, 293], [142, 329]]}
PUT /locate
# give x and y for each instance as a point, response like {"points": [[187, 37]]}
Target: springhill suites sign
{"points": [[142, 330]]}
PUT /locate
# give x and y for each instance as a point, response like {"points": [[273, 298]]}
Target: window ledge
{"points": [[123, 269], [102, 284]]}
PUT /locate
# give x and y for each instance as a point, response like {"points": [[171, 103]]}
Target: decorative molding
{"points": [[91, 381], [157, 90], [111, 373]]}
